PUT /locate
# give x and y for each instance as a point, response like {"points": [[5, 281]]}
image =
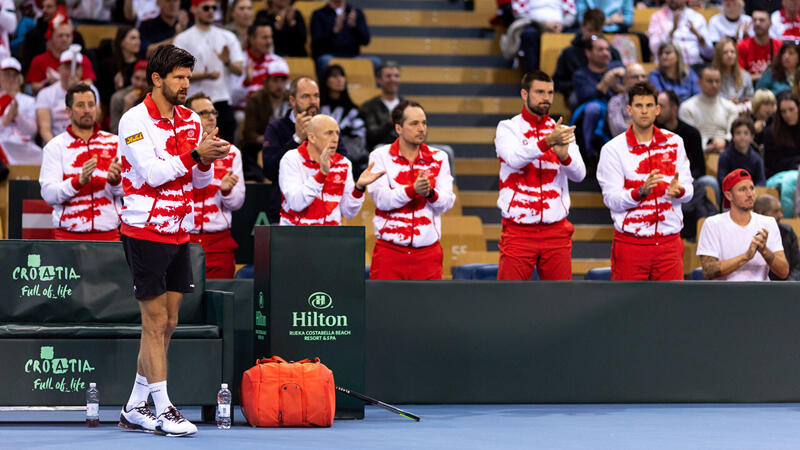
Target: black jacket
{"points": [[792, 252], [570, 60], [346, 43]]}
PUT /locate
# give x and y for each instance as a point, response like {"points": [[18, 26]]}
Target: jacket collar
{"points": [[179, 112], [534, 120], [425, 153], [658, 137], [95, 130]]}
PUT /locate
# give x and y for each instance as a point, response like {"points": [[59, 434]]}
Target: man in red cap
{"points": [[740, 245]]}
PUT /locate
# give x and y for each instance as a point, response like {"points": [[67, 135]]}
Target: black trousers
{"points": [[226, 122]]}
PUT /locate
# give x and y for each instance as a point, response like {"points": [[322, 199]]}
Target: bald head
{"points": [[634, 73], [323, 132], [768, 205]]}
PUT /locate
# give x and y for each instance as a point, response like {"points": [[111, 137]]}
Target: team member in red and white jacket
{"points": [[80, 174], [317, 183], [645, 176], [537, 157], [214, 203], [409, 201]]}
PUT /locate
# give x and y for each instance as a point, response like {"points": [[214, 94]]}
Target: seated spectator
{"points": [[537, 17], [129, 96], [264, 106], [27, 21], [770, 6], [91, 11], [684, 26], [240, 18], [258, 57], [618, 118], [573, 57], [18, 123], [44, 67], [762, 109], [377, 111], [288, 27], [161, 30], [140, 11], [782, 139], [618, 13], [35, 42], [736, 83], [338, 29], [779, 76], [740, 245], [732, 22], [756, 52], [52, 116], [672, 73], [741, 153], [335, 102], [768, 205], [786, 21], [710, 113], [127, 47], [214, 204]]}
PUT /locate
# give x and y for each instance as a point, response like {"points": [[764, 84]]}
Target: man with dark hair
{"points": [[645, 176], [166, 155], [756, 52], [258, 57], [709, 112], [338, 29], [537, 158], [161, 30], [377, 110], [80, 174], [409, 200], [768, 205]]}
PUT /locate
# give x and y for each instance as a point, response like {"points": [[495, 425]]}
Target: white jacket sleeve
{"points": [[142, 153], [298, 192], [385, 196], [350, 204], [235, 198], [55, 189], [576, 170], [444, 198], [515, 151], [612, 181], [684, 174]]}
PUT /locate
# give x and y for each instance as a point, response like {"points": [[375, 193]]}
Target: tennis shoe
{"points": [[172, 423], [139, 418]]}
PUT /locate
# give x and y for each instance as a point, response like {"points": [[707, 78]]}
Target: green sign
{"points": [[62, 374], [44, 281]]}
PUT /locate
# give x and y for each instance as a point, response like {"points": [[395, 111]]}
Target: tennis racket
{"points": [[372, 401]]}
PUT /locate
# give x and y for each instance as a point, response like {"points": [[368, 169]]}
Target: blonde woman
{"points": [[737, 86], [672, 73], [762, 108]]}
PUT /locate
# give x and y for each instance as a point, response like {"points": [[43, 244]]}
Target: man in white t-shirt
{"points": [[219, 56], [740, 245]]}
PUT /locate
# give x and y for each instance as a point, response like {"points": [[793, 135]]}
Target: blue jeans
{"points": [[592, 115], [530, 44]]}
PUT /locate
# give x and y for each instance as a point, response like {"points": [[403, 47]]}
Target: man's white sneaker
{"points": [[172, 423], [139, 418]]}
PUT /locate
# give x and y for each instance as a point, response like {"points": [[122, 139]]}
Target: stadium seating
{"points": [[598, 274], [94, 34]]}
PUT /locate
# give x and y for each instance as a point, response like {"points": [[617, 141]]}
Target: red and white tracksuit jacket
{"points": [[308, 197], [93, 207], [158, 172], [259, 70], [533, 181], [625, 165], [212, 208], [402, 217]]}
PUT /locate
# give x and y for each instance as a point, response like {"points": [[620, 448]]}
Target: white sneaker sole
{"points": [[160, 432]]}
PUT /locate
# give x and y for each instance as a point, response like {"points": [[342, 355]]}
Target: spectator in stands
{"points": [[768, 205], [127, 47], [710, 113], [44, 67], [129, 96], [338, 29], [541, 16], [161, 30], [258, 57], [240, 18], [214, 204], [8, 24], [140, 11], [219, 56], [335, 102], [538, 156], [618, 13], [26, 22], [421, 188], [288, 25], [264, 106], [80, 174], [52, 115], [786, 21], [18, 118], [769, 6], [737, 86], [377, 110], [618, 118], [34, 42], [762, 109], [732, 22], [782, 139], [645, 177], [573, 57], [779, 76], [684, 26], [756, 52], [594, 85], [741, 153], [739, 245], [92, 11], [672, 73], [317, 183]]}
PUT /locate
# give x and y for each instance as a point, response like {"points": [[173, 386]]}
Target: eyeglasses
{"points": [[208, 8], [205, 114]]}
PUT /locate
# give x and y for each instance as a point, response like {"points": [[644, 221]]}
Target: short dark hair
{"points": [[594, 16], [760, 8], [705, 69], [743, 121], [674, 100], [535, 75], [295, 82], [167, 58], [398, 113], [252, 29], [642, 88], [198, 96], [77, 89], [386, 65]]}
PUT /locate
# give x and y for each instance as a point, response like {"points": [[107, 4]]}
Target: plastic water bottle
{"points": [[224, 407], [92, 406]]}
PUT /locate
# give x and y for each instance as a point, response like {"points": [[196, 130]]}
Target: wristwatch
{"points": [[195, 155]]}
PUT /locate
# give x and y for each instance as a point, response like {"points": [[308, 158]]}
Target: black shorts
{"points": [[157, 267]]}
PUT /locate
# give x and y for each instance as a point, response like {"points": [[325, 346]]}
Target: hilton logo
{"points": [[320, 300]]}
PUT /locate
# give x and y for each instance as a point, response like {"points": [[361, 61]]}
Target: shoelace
{"points": [[173, 414], [145, 411]]}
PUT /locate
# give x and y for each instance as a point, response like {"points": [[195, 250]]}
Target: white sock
{"points": [[160, 397], [139, 393]]}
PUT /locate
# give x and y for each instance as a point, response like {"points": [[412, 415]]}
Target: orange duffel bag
{"points": [[276, 393]]}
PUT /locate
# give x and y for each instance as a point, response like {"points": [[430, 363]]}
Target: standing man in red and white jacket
{"points": [[645, 176], [409, 200], [317, 183], [80, 174], [214, 204], [537, 157], [165, 156]]}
